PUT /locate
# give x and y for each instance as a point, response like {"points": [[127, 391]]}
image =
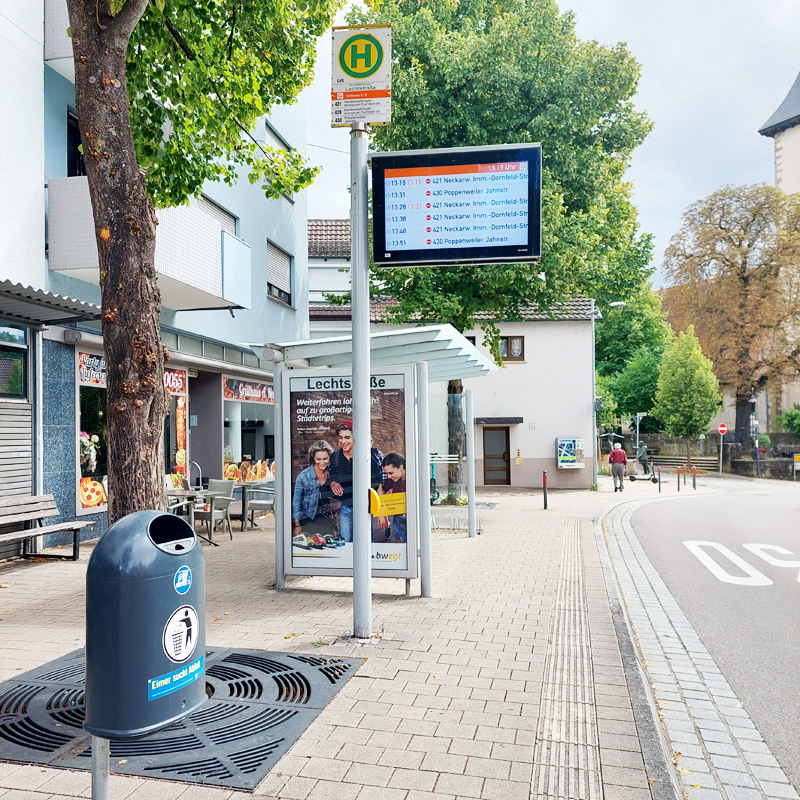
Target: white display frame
{"points": [[412, 479]]}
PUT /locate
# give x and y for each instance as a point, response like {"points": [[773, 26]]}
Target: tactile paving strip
{"points": [[260, 704], [567, 752]]}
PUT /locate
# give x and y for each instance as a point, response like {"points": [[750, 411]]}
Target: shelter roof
{"points": [[449, 355], [28, 306]]}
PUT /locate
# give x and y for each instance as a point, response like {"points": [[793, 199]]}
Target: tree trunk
{"points": [[125, 229], [456, 432], [742, 433]]}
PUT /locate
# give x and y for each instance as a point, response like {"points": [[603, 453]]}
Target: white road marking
{"points": [[752, 576], [760, 551]]}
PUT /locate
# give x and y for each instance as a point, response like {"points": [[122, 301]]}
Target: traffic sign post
{"points": [[723, 429], [361, 75], [361, 82]]}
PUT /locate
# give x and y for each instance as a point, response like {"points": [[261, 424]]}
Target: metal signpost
{"points": [[361, 81], [723, 429]]}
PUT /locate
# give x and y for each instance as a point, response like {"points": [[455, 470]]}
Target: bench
{"points": [[25, 514]]}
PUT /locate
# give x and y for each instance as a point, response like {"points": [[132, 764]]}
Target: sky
{"points": [[712, 72]]}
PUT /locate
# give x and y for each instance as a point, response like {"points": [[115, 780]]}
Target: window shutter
{"points": [[271, 138], [226, 221], [279, 268]]}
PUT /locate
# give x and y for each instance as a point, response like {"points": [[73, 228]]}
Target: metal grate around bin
{"points": [[260, 703]]}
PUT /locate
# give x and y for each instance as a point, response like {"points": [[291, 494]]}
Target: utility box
{"points": [[145, 626]]}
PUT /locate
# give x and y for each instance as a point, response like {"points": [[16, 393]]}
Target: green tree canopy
{"points": [[735, 270], [688, 395], [607, 415], [789, 420], [479, 73], [635, 387], [201, 73], [623, 331]]}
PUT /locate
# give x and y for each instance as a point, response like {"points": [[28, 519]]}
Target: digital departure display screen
{"points": [[455, 206]]}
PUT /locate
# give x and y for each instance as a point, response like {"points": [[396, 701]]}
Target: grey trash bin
{"points": [[145, 626]]}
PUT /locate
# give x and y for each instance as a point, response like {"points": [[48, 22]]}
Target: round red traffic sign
{"points": [[723, 428]]}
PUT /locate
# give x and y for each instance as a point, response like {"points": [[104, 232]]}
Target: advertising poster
{"points": [[320, 442]]}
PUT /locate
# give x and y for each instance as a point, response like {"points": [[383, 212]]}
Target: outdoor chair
{"points": [[259, 498], [180, 506], [219, 508]]}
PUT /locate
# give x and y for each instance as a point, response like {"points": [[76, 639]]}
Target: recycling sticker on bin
{"points": [[182, 580], [180, 634]]}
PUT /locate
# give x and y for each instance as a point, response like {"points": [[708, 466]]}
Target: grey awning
{"points": [[36, 307], [498, 420]]}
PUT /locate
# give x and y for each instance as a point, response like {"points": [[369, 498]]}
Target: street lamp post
{"points": [[754, 430]]}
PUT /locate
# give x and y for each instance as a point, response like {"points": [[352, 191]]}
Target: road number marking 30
{"points": [[752, 577]]}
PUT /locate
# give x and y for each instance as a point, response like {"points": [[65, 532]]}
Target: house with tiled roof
{"points": [[544, 394], [328, 259]]}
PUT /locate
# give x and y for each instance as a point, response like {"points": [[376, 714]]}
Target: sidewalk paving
{"points": [[507, 684]]}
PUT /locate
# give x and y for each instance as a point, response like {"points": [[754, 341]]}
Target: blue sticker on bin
{"points": [[172, 681], [182, 580]]}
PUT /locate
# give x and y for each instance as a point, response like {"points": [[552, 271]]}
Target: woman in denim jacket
{"points": [[311, 510]]}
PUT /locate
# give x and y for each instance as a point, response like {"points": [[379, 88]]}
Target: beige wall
{"points": [[787, 160]]}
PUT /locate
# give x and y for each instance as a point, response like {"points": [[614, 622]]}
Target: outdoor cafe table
{"points": [[195, 496], [245, 485]]}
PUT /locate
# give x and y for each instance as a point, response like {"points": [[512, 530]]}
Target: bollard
{"points": [[685, 470], [694, 479], [679, 478], [544, 487], [659, 480]]}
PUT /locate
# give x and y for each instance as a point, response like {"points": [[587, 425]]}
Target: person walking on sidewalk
{"points": [[618, 461]]}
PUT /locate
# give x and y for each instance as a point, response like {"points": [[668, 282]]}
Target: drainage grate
{"points": [[259, 705]]}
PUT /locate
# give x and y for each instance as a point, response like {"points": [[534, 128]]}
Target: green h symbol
{"points": [[365, 56]]}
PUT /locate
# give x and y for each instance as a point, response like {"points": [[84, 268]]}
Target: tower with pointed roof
{"points": [[784, 128]]}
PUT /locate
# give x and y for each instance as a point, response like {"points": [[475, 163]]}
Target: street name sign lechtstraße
{"points": [[361, 75]]}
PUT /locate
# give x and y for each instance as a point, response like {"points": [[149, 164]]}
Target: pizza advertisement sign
{"points": [[92, 371]]}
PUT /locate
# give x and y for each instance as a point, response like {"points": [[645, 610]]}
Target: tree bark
{"points": [[742, 433], [455, 437], [125, 229]]}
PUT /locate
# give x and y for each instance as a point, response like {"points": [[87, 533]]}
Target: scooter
{"points": [[434, 489]]}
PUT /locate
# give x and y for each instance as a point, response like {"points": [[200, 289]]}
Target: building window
{"points": [[13, 362], [75, 165], [512, 348], [279, 274], [470, 339]]}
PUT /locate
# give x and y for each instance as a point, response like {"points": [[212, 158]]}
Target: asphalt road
{"points": [[751, 628]]}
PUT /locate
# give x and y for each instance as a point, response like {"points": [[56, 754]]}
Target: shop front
{"points": [[248, 427], [91, 482]]}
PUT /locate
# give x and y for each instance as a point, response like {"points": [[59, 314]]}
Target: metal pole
{"points": [[423, 428], [659, 480], [594, 407], [100, 760], [694, 478], [544, 487], [359, 277], [758, 455], [721, 440], [281, 476], [679, 478], [472, 512]]}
